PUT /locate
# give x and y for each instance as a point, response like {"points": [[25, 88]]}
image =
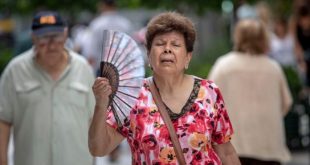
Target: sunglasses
{"points": [[46, 39]]}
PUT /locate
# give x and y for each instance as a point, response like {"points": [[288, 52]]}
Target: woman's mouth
{"points": [[166, 61]]}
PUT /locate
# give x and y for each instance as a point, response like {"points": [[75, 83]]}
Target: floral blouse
{"points": [[203, 122]]}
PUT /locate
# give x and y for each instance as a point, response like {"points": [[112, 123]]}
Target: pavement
{"points": [[300, 158]]}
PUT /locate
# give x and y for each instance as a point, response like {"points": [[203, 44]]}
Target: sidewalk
{"points": [[300, 158]]}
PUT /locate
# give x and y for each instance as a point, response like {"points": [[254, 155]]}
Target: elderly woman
{"points": [[194, 105], [256, 95]]}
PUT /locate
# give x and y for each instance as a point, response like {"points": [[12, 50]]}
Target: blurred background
{"points": [[214, 20]]}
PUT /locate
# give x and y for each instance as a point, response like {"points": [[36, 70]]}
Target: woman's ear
{"points": [[149, 60], [189, 57], [148, 56]]}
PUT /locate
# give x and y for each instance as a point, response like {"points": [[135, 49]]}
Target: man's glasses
{"points": [[46, 39]]}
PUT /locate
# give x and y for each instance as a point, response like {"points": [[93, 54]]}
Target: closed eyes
{"points": [[163, 44]]}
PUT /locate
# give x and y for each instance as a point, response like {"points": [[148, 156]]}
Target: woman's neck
{"points": [[171, 84]]}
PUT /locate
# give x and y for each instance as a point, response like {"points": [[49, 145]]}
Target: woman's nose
{"points": [[167, 50]]}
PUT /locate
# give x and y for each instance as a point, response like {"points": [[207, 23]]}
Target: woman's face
{"points": [[168, 53]]}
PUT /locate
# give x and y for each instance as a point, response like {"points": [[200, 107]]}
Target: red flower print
{"points": [[197, 126], [149, 142], [164, 134], [217, 136]]}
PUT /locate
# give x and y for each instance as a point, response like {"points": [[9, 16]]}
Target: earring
{"points": [[150, 66], [186, 66]]}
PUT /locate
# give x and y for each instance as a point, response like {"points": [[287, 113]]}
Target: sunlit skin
{"points": [[168, 54], [169, 58]]}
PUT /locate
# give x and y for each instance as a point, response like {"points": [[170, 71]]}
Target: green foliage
{"points": [[199, 69], [148, 72], [73, 6], [293, 81], [30, 6], [199, 6], [5, 57]]}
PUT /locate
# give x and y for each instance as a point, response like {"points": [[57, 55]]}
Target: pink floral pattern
{"points": [[205, 123]]}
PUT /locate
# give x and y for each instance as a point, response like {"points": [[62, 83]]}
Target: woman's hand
{"points": [[102, 90]]}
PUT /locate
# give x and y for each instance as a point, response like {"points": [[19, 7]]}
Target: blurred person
{"points": [[194, 105], [245, 10], [282, 43], [139, 37], [110, 19], [80, 32], [24, 42], [46, 100], [256, 94], [81, 40], [302, 38], [264, 14]]}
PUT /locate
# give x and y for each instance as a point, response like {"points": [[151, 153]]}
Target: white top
{"points": [[282, 50], [257, 98]]}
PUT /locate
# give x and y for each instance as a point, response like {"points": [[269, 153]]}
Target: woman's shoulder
{"points": [[207, 85], [208, 90], [205, 82]]}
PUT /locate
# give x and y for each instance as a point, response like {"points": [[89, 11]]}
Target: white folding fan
{"points": [[123, 64]]}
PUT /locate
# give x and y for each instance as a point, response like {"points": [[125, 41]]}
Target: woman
{"points": [[194, 105], [302, 41], [256, 95], [282, 44]]}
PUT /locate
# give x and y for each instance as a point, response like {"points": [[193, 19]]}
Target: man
{"points": [[108, 19], [46, 97]]}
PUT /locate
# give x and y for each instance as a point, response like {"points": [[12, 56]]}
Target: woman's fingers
{"points": [[101, 87], [107, 90], [100, 83]]}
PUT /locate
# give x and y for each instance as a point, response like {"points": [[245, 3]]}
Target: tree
{"points": [[73, 6], [30, 6]]}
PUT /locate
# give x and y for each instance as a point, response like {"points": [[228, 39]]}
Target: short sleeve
{"points": [[6, 93], [122, 128], [222, 128]]}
